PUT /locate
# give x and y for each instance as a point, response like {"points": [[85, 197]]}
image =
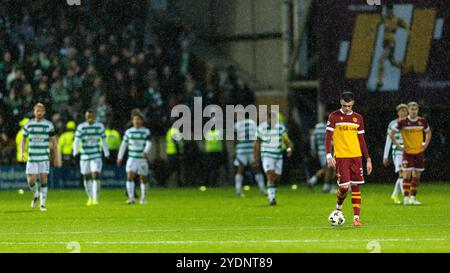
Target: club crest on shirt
{"points": [[355, 120], [420, 123], [342, 118]]}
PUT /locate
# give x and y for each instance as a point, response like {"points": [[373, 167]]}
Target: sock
{"points": [[43, 194], [326, 186], [338, 207], [130, 189], [95, 189], [271, 190], [414, 186], [313, 180], [88, 187], [34, 190], [259, 177], [239, 178], [398, 187], [406, 187], [341, 194], [356, 200], [144, 187]]}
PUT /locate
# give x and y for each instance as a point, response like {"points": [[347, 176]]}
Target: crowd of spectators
{"points": [[73, 62]]}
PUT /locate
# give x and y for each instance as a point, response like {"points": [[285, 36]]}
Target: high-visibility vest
{"points": [[213, 144], [171, 144], [113, 139], [19, 138], [65, 143]]}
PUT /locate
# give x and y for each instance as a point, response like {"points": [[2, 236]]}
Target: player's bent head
{"points": [[401, 106], [347, 96], [90, 115], [40, 106], [138, 116], [413, 104]]}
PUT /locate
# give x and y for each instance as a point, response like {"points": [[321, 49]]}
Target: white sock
{"points": [[95, 185], [144, 187], [259, 177], [398, 186], [313, 180], [88, 187], [130, 189], [355, 217], [271, 193], [43, 195], [338, 207], [239, 179], [34, 190]]}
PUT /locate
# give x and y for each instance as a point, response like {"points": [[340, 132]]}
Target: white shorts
{"points": [[139, 166], [271, 164], [397, 159], [243, 160], [323, 160], [91, 166], [38, 167]]}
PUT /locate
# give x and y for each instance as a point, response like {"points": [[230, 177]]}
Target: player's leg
{"points": [[87, 180], [143, 172], [271, 187], [95, 187], [239, 176], [130, 185], [356, 178], [259, 177], [31, 179], [407, 167], [343, 180], [414, 187], [397, 160], [96, 168], [315, 178], [43, 179]]}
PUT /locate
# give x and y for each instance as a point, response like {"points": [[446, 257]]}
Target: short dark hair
{"points": [[90, 111], [347, 96]]}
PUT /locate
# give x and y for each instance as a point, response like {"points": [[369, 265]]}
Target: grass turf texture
{"points": [[188, 220]]}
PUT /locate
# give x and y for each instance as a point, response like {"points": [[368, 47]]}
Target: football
{"points": [[336, 218]]}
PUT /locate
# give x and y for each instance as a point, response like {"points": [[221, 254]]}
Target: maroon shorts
{"points": [[349, 171], [413, 162]]}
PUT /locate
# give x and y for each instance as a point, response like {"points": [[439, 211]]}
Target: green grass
{"points": [[187, 220]]}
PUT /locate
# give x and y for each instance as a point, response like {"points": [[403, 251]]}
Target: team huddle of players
{"points": [[255, 145]]}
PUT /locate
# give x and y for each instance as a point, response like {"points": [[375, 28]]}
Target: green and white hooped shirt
{"points": [[246, 135], [271, 139], [90, 136], [39, 134], [138, 142]]}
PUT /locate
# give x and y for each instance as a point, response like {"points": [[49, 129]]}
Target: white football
{"points": [[336, 218]]}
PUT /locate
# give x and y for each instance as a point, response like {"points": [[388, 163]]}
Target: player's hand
{"points": [[331, 162], [369, 166], [119, 162], [424, 146], [289, 152], [386, 162]]}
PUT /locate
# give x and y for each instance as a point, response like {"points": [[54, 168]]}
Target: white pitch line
{"points": [[213, 229], [224, 242]]}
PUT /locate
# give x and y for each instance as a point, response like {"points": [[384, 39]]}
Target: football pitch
{"points": [[215, 220]]}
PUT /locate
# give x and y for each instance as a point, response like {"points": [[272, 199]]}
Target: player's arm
{"points": [[427, 138], [288, 143], [122, 150], [328, 139], [105, 145], [23, 143], [392, 136], [387, 149], [148, 147], [363, 146]]}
